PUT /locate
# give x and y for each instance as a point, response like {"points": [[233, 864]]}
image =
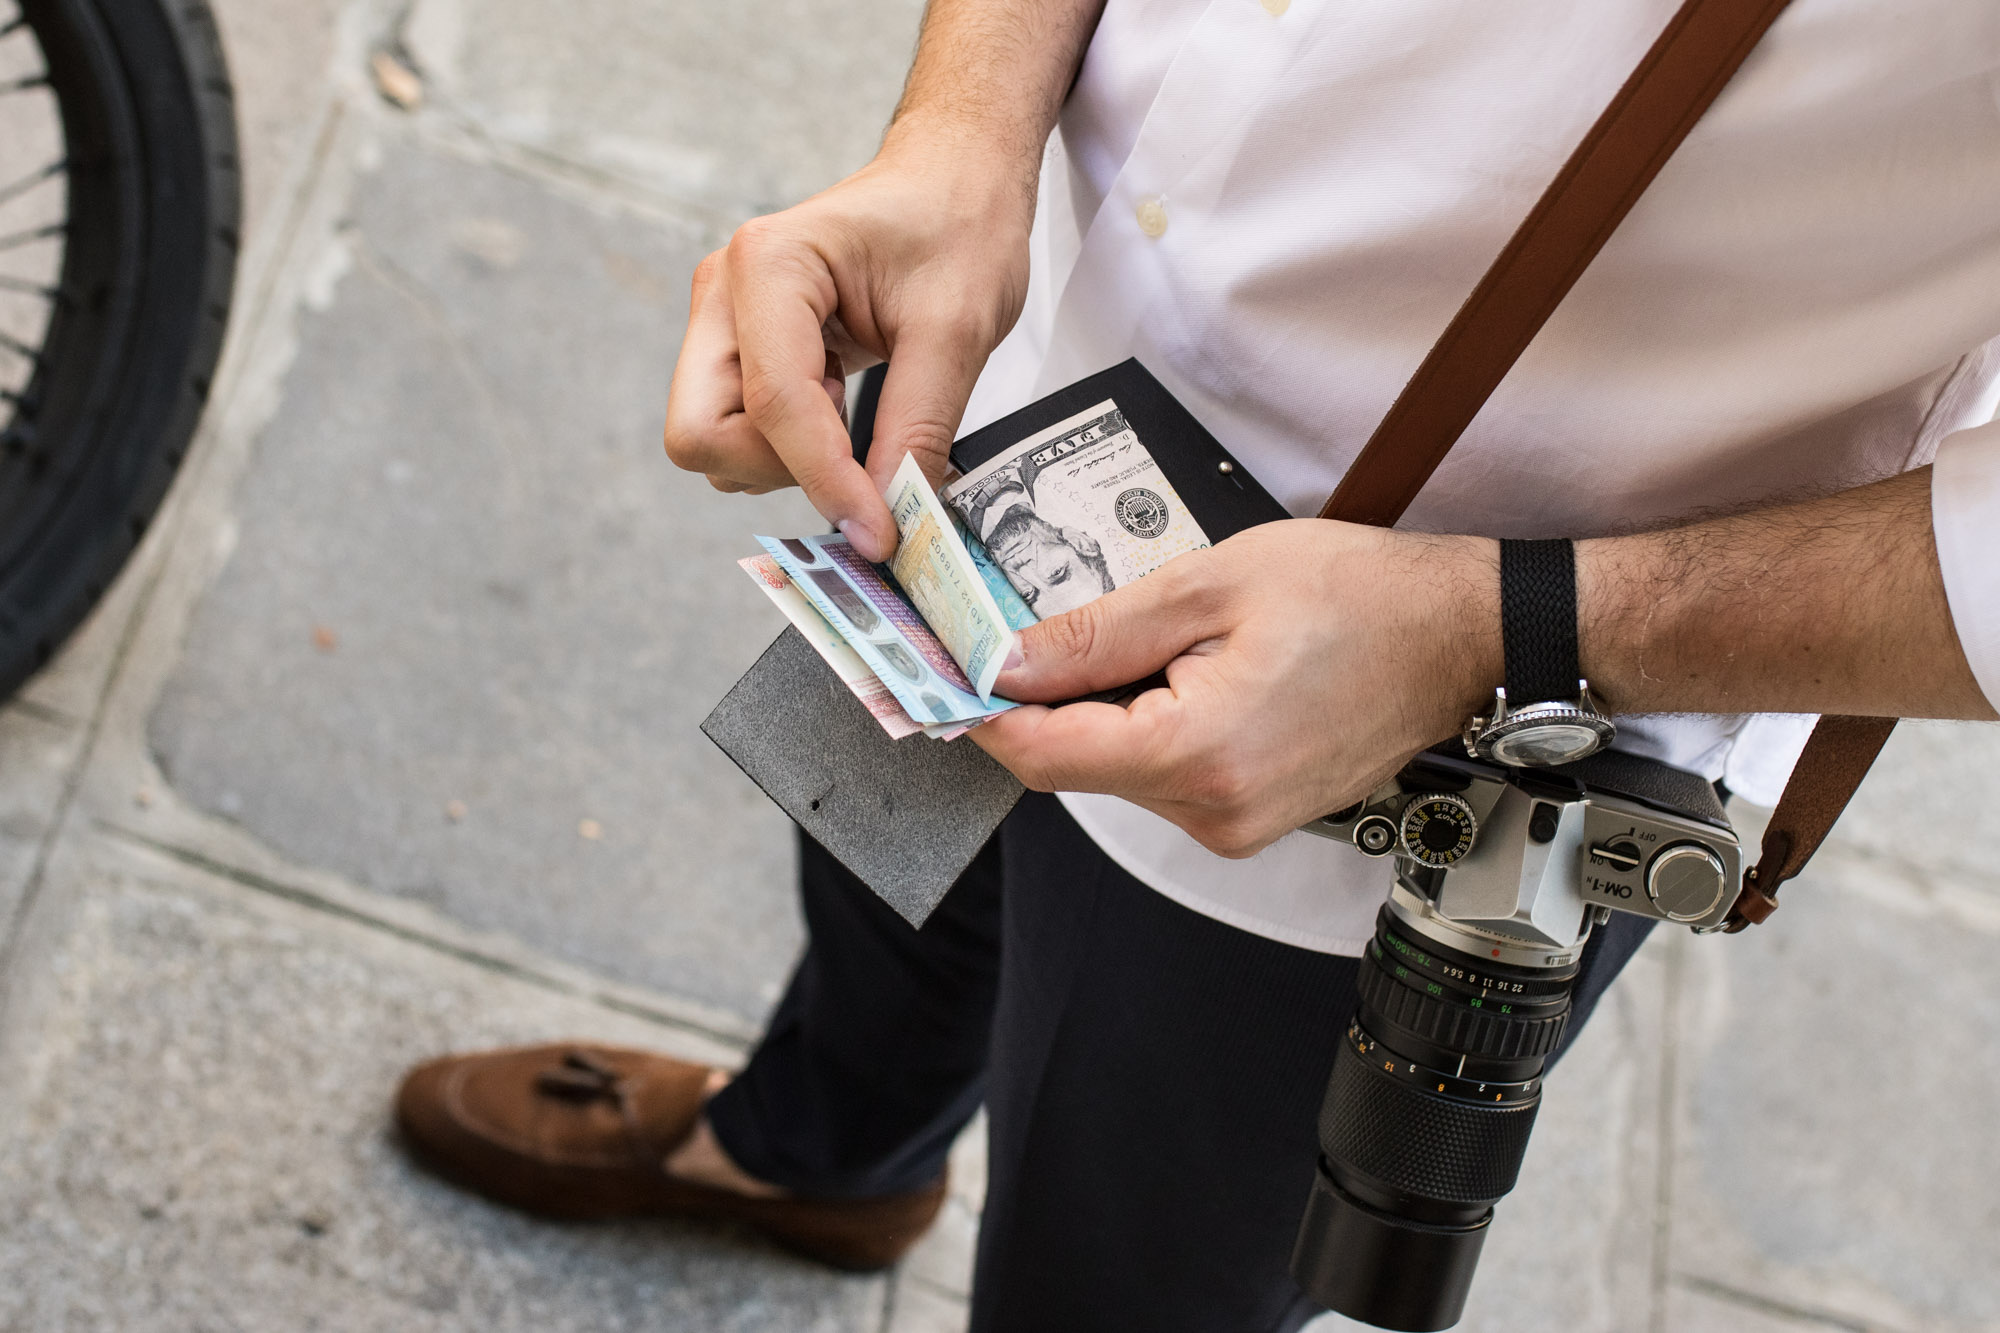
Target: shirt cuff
{"points": [[1965, 516]]}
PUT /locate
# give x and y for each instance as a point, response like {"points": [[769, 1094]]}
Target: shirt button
{"points": [[1152, 215], [1276, 7]]}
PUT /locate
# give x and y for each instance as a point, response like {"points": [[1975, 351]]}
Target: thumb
{"points": [[930, 377], [1123, 636]]}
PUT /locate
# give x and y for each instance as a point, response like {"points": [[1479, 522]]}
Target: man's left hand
{"points": [[1306, 661]]}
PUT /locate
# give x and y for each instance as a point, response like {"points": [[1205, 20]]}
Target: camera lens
{"points": [[1427, 1116]]}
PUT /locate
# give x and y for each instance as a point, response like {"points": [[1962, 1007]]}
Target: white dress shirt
{"points": [[1277, 206]]}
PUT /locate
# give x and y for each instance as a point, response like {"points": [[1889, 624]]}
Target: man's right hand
{"points": [[919, 259]]}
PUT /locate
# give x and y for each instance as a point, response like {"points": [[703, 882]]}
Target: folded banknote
{"points": [[880, 625], [832, 648], [935, 570], [1055, 519]]}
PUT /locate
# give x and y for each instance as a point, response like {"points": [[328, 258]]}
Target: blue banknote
{"points": [[882, 627]]}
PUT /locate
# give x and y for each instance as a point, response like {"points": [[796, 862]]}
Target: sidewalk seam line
{"points": [[1771, 1305], [43, 713], [72, 787], [165, 533], [1674, 983], [935, 1286], [889, 1291], [307, 898]]}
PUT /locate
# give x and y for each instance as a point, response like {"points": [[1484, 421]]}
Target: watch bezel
{"points": [[1485, 737]]}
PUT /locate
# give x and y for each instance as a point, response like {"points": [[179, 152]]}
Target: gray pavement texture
{"points": [[386, 745], [520, 607]]}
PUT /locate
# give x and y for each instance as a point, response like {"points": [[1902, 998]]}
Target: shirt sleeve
{"points": [[1965, 515]]}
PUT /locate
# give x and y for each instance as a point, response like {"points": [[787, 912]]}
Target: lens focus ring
{"points": [[1483, 1033], [1428, 1146]]}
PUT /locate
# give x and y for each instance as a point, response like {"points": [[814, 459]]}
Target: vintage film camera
{"points": [[1501, 873]]}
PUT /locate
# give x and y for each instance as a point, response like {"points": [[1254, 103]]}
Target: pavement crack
{"points": [[516, 449], [451, 126]]}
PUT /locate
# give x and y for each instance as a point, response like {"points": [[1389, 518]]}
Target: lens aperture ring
{"points": [[1473, 1025]]}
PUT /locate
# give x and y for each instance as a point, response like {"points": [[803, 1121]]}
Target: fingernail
{"points": [[1015, 658], [861, 539]]}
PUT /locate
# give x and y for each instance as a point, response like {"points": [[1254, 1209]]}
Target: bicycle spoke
{"points": [[9, 193], [32, 235], [23, 85], [22, 287], [9, 29]]}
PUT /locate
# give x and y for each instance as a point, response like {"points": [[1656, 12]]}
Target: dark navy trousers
{"points": [[1152, 1079]]}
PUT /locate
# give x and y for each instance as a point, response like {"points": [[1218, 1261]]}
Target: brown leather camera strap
{"points": [[1694, 58], [1835, 760]]}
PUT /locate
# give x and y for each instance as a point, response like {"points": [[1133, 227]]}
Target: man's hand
{"points": [[920, 259], [1306, 661], [904, 261]]}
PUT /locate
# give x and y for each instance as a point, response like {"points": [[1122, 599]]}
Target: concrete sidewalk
{"points": [[385, 745]]}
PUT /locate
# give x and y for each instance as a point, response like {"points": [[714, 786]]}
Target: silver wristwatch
{"points": [[1538, 734]]}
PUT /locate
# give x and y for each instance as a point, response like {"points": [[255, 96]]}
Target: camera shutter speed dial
{"points": [[1438, 830], [1686, 881]]}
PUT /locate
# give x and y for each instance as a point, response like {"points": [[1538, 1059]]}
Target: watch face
{"points": [[1545, 743]]}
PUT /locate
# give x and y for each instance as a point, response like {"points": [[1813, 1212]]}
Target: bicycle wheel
{"points": [[119, 199]]}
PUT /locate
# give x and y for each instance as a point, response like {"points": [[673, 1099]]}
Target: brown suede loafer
{"points": [[581, 1132]]}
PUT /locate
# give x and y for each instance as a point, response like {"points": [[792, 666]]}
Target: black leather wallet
{"points": [[907, 816]]}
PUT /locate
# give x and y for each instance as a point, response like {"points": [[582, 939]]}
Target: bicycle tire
{"points": [[131, 344]]}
